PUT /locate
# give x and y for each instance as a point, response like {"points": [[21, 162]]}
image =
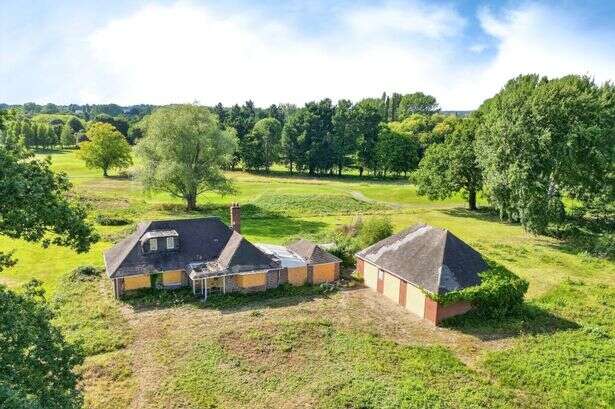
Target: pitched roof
{"points": [[239, 254], [431, 258], [199, 240], [312, 253]]}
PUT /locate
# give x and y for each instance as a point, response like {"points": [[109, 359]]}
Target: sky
{"points": [[160, 52]]}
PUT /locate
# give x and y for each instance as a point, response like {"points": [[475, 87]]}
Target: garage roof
{"points": [[430, 258]]}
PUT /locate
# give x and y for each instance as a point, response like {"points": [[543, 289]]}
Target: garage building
{"points": [[419, 261]]}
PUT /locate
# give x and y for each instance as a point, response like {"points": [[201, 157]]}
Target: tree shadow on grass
{"points": [[528, 319], [280, 297], [486, 214]]}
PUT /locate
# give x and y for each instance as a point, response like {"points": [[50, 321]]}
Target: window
{"points": [[153, 244], [170, 243], [380, 274]]}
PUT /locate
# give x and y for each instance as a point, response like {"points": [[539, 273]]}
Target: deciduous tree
{"points": [[541, 139], [36, 363], [451, 166], [417, 103], [184, 151], [105, 149]]}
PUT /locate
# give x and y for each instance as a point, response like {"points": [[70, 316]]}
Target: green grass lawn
{"points": [[302, 349]]}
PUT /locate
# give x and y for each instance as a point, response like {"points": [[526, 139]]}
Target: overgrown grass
{"points": [[88, 315], [314, 204], [161, 298], [311, 362], [574, 368], [108, 381]]}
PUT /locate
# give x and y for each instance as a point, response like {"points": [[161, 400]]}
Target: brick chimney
{"points": [[236, 217]]}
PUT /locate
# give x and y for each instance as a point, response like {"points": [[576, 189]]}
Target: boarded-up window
{"points": [[370, 275], [135, 282], [251, 280], [297, 275], [391, 287], [323, 273], [415, 300], [172, 278], [153, 244]]}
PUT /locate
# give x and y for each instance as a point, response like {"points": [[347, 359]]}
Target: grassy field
{"points": [[349, 348]]}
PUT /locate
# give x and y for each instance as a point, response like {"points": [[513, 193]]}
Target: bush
{"points": [[85, 273], [105, 220], [500, 293], [374, 230]]}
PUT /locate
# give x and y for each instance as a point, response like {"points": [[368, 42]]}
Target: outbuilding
{"points": [[418, 262]]}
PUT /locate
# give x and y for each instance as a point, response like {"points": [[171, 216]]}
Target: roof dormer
{"points": [[155, 241]]}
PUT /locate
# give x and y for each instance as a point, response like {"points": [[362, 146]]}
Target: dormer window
{"points": [[155, 241]]}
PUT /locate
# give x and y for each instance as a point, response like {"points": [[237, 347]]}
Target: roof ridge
{"points": [[446, 234]]}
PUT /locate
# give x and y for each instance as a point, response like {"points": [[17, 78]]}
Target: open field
{"points": [[345, 349]]}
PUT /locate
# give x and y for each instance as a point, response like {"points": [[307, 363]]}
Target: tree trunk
{"points": [[472, 199], [339, 170], [191, 202], [360, 170], [105, 172]]}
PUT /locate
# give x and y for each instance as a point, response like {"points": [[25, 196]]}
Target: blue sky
{"points": [[294, 51]]}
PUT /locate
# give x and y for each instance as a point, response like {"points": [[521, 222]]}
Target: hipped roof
{"points": [[431, 258]]}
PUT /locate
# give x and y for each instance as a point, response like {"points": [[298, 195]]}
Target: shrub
{"points": [[85, 273], [374, 230], [105, 220], [500, 293]]}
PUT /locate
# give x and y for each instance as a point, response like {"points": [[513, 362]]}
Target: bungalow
{"points": [[421, 260], [209, 256]]}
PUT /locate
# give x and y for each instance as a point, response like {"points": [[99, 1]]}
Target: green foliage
{"points": [[260, 148], [67, 137], [499, 294], [396, 152], [451, 166], [184, 151], [417, 103], [120, 124], [105, 149], [374, 229], [38, 209], [87, 314], [541, 139], [106, 220], [368, 114], [351, 238], [345, 132], [35, 361]]}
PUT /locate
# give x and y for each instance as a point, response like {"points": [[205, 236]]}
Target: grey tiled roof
{"points": [[200, 240], [240, 255], [430, 258], [312, 253]]}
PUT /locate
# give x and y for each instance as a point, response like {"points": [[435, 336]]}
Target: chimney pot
{"points": [[236, 217]]}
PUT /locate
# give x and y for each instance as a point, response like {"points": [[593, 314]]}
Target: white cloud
{"points": [[184, 52], [537, 39], [412, 18]]}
